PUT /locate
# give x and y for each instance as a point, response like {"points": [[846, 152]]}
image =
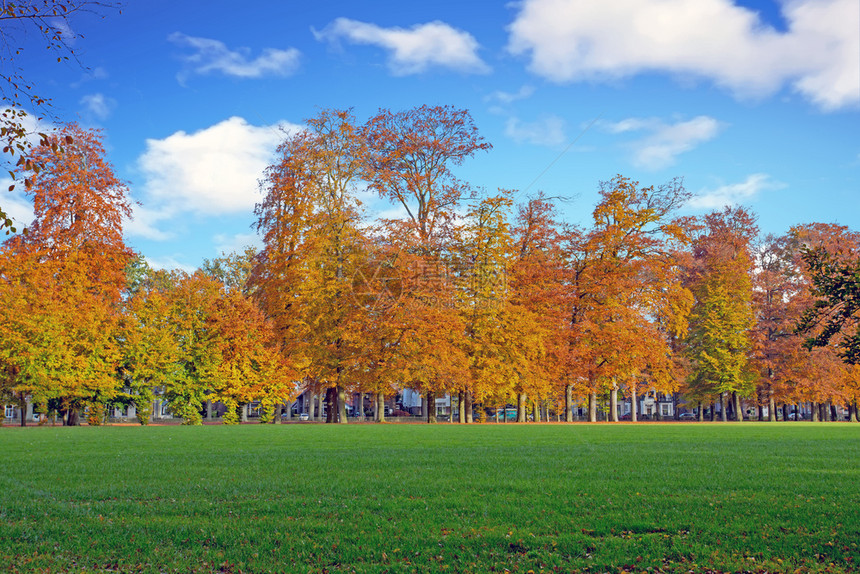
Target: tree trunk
{"points": [[468, 397], [815, 411], [431, 407], [330, 405], [701, 413], [852, 410], [634, 407], [74, 418], [784, 412], [279, 410], [341, 404], [613, 402], [23, 412], [243, 412], [771, 406], [568, 403], [461, 413], [521, 407], [535, 411], [834, 416], [208, 410], [380, 407], [592, 407], [723, 415], [739, 407]]}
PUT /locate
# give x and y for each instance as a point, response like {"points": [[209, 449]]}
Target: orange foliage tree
{"points": [[313, 244], [63, 279], [628, 298], [412, 153]]}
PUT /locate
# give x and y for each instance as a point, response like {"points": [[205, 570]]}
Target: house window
{"points": [[10, 411], [165, 409], [665, 409]]}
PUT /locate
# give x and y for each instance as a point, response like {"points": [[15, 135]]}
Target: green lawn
{"points": [[419, 498]]}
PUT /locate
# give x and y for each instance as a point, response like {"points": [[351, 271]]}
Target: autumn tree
{"points": [[379, 286], [504, 338], [536, 281], [312, 240], [249, 365], [627, 299], [720, 341], [789, 372], [232, 270], [147, 337], [69, 278], [413, 153], [223, 354], [777, 296]]}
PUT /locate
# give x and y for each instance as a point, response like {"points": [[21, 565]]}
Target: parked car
{"points": [[687, 417], [509, 414], [304, 417]]}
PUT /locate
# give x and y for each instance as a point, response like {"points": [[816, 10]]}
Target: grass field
{"points": [[419, 498]]}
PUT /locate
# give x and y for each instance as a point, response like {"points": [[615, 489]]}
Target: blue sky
{"points": [[752, 103]]}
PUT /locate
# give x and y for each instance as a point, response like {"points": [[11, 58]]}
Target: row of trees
{"points": [[470, 294]]}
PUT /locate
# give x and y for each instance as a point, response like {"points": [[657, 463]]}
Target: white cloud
{"points": [[819, 55], [98, 105], [213, 171], [736, 193], [15, 203], [501, 97], [548, 131], [236, 243], [170, 262], [827, 40], [17, 206], [144, 223], [61, 25], [214, 56], [412, 50], [664, 142], [97, 73]]}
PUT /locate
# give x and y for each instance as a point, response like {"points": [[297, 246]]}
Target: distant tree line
{"points": [[490, 298]]}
